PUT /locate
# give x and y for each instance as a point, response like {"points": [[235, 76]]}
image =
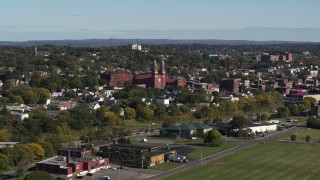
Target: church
{"points": [[157, 79]]}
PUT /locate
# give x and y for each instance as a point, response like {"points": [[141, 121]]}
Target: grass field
{"points": [[207, 151], [166, 166], [261, 161], [302, 133]]}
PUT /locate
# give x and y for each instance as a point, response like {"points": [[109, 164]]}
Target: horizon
{"points": [[287, 20]]}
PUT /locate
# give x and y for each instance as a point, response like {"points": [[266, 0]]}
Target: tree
{"points": [[213, 138], [22, 167], [129, 113], [228, 107], [293, 137], [36, 150], [239, 122], [283, 112], [308, 138], [47, 146], [124, 140], [4, 162], [5, 135], [145, 114], [38, 175]]}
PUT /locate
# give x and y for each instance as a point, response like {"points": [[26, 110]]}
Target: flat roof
{"points": [[57, 160], [74, 149]]}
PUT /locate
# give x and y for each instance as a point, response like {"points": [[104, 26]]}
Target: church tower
{"points": [[163, 75], [157, 79]]}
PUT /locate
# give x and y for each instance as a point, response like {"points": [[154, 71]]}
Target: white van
{"points": [[105, 177]]}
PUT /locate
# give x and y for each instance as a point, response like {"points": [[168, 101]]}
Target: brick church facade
{"points": [[157, 79]]}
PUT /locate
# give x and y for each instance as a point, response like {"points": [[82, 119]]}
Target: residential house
{"points": [[7, 144], [20, 116], [94, 105]]}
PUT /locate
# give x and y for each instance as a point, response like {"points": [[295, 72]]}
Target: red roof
{"points": [[143, 76]]}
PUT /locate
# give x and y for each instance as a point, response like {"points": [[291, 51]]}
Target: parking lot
{"points": [[115, 173]]}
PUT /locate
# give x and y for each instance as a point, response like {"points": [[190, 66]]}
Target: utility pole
{"points": [[201, 158], [142, 158]]}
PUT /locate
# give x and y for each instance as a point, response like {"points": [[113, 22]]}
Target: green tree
{"points": [[38, 175], [308, 138], [4, 162], [129, 113], [47, 146], [213, 138], [239, 122], [5, 135], [283, 112], [228, 107], [145, 114], [293, 137]]}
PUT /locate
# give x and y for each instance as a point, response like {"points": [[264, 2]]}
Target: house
{"points": [[94, 105], [7, 144], [164, 101], [185, 130], [34, 106], [15, 107], [20, 116], [57, 94], [63, 105]]}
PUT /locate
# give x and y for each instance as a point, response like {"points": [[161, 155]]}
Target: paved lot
{"points": [[121, 174]]}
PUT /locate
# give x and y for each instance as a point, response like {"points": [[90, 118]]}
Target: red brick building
{"points": [[282, 56], [230, 85], [118, 77], [67, 165]]}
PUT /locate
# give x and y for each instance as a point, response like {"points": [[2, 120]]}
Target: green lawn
{"points": [[302, 133], [188, 141], [137, 142], [166, 166], [261, 161], [207, 151]]}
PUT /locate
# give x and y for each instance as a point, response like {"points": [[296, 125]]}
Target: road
{"points": [[241, 144]]}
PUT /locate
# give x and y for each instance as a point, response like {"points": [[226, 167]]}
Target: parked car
{"points": [[105, 177]]}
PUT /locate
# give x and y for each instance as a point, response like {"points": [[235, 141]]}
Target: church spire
{"points": [[163, 69], [155, 68]]}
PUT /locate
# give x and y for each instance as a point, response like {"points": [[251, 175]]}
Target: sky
{"points": [[296, 20]]}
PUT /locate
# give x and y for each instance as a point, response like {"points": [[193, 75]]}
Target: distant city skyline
{"points": [[290, 20]]}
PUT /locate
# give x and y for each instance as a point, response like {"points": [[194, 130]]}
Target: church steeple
{"points": [[155, 68], [163, 69]]}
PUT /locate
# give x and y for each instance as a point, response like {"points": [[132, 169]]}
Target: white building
{"points": [[20, 116], [263, 128], [136, 47]]}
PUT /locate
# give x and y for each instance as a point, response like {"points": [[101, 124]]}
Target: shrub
{"points": [[308, 138], [293, 137]]}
